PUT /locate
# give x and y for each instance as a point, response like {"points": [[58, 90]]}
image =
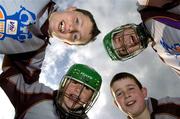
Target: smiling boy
{"points": [[78, 91], [27, 25], [159, 30], [72, 26], [129, 96]]}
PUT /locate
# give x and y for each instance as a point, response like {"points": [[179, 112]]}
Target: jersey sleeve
{"points": [[29, 64]]}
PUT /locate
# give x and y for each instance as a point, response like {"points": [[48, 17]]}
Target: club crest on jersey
{"points": [[173, 48], [16, 25]]}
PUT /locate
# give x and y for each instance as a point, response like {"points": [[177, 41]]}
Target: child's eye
{"points": [[74, 82], [87, 88], [75, 36], [122, 49], [77, 21], [131, 88], [118, 94]]}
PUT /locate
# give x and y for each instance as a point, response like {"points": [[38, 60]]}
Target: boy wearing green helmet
{"points": [[79, 89], [77, 92], [160, 29], [125, 42]]}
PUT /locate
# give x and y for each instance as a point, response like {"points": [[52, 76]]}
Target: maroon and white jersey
{"points": [[164, 108], [20, 82]]}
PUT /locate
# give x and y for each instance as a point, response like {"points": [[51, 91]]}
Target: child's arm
{"points": [[29, 64], [21, 94]]}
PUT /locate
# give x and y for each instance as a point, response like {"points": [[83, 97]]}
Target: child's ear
{"points": [[144, 91], [71, 8]]}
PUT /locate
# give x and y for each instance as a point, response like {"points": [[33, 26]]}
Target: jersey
{"points": [[164, 27], [16, 21], [164, 108], [28, 96]]}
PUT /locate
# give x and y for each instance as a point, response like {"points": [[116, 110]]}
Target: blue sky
{"points": [[159, 79]]}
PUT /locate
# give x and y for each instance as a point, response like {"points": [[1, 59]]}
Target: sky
{"points": [[159, 79]]}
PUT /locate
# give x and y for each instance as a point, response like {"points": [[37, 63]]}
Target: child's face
{"points": [[129, 97], [126, 42], [70, 26], [76, 95]]}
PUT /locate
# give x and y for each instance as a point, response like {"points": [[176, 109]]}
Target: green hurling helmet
{"points": [[109, 45], [85, 75]]}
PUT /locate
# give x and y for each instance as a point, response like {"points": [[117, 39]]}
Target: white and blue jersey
{"points": [[164, 27], [16, 19]]}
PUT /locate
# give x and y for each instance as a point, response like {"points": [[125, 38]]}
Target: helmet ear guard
{"points": [[109, 45]]}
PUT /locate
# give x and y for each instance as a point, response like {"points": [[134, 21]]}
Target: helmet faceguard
{"points": [[87, 78], [138, 36]]}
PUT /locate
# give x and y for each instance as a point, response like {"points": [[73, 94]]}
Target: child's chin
{"points": [[54, 35]]}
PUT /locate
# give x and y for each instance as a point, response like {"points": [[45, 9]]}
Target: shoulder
{"points": [[169, 100]]}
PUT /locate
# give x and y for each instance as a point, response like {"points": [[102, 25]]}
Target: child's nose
{"points": [[128, 40], [71, 28], [127, 95], [78, 87]]}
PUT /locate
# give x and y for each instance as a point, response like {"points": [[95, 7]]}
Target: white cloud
{"points": [[148, 68]]}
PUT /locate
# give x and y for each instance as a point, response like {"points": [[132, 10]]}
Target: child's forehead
{"points": [[129, 30], [123, 84], [124, 81], [124, 31], [77, 13], [79, 82]]}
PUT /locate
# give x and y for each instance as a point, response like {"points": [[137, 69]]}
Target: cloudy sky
{"points": [[159, 79]]}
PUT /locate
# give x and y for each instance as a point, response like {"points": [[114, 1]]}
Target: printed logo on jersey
{"points": [[173, 49], [11, 27], [170, 40], [16, 26]]}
